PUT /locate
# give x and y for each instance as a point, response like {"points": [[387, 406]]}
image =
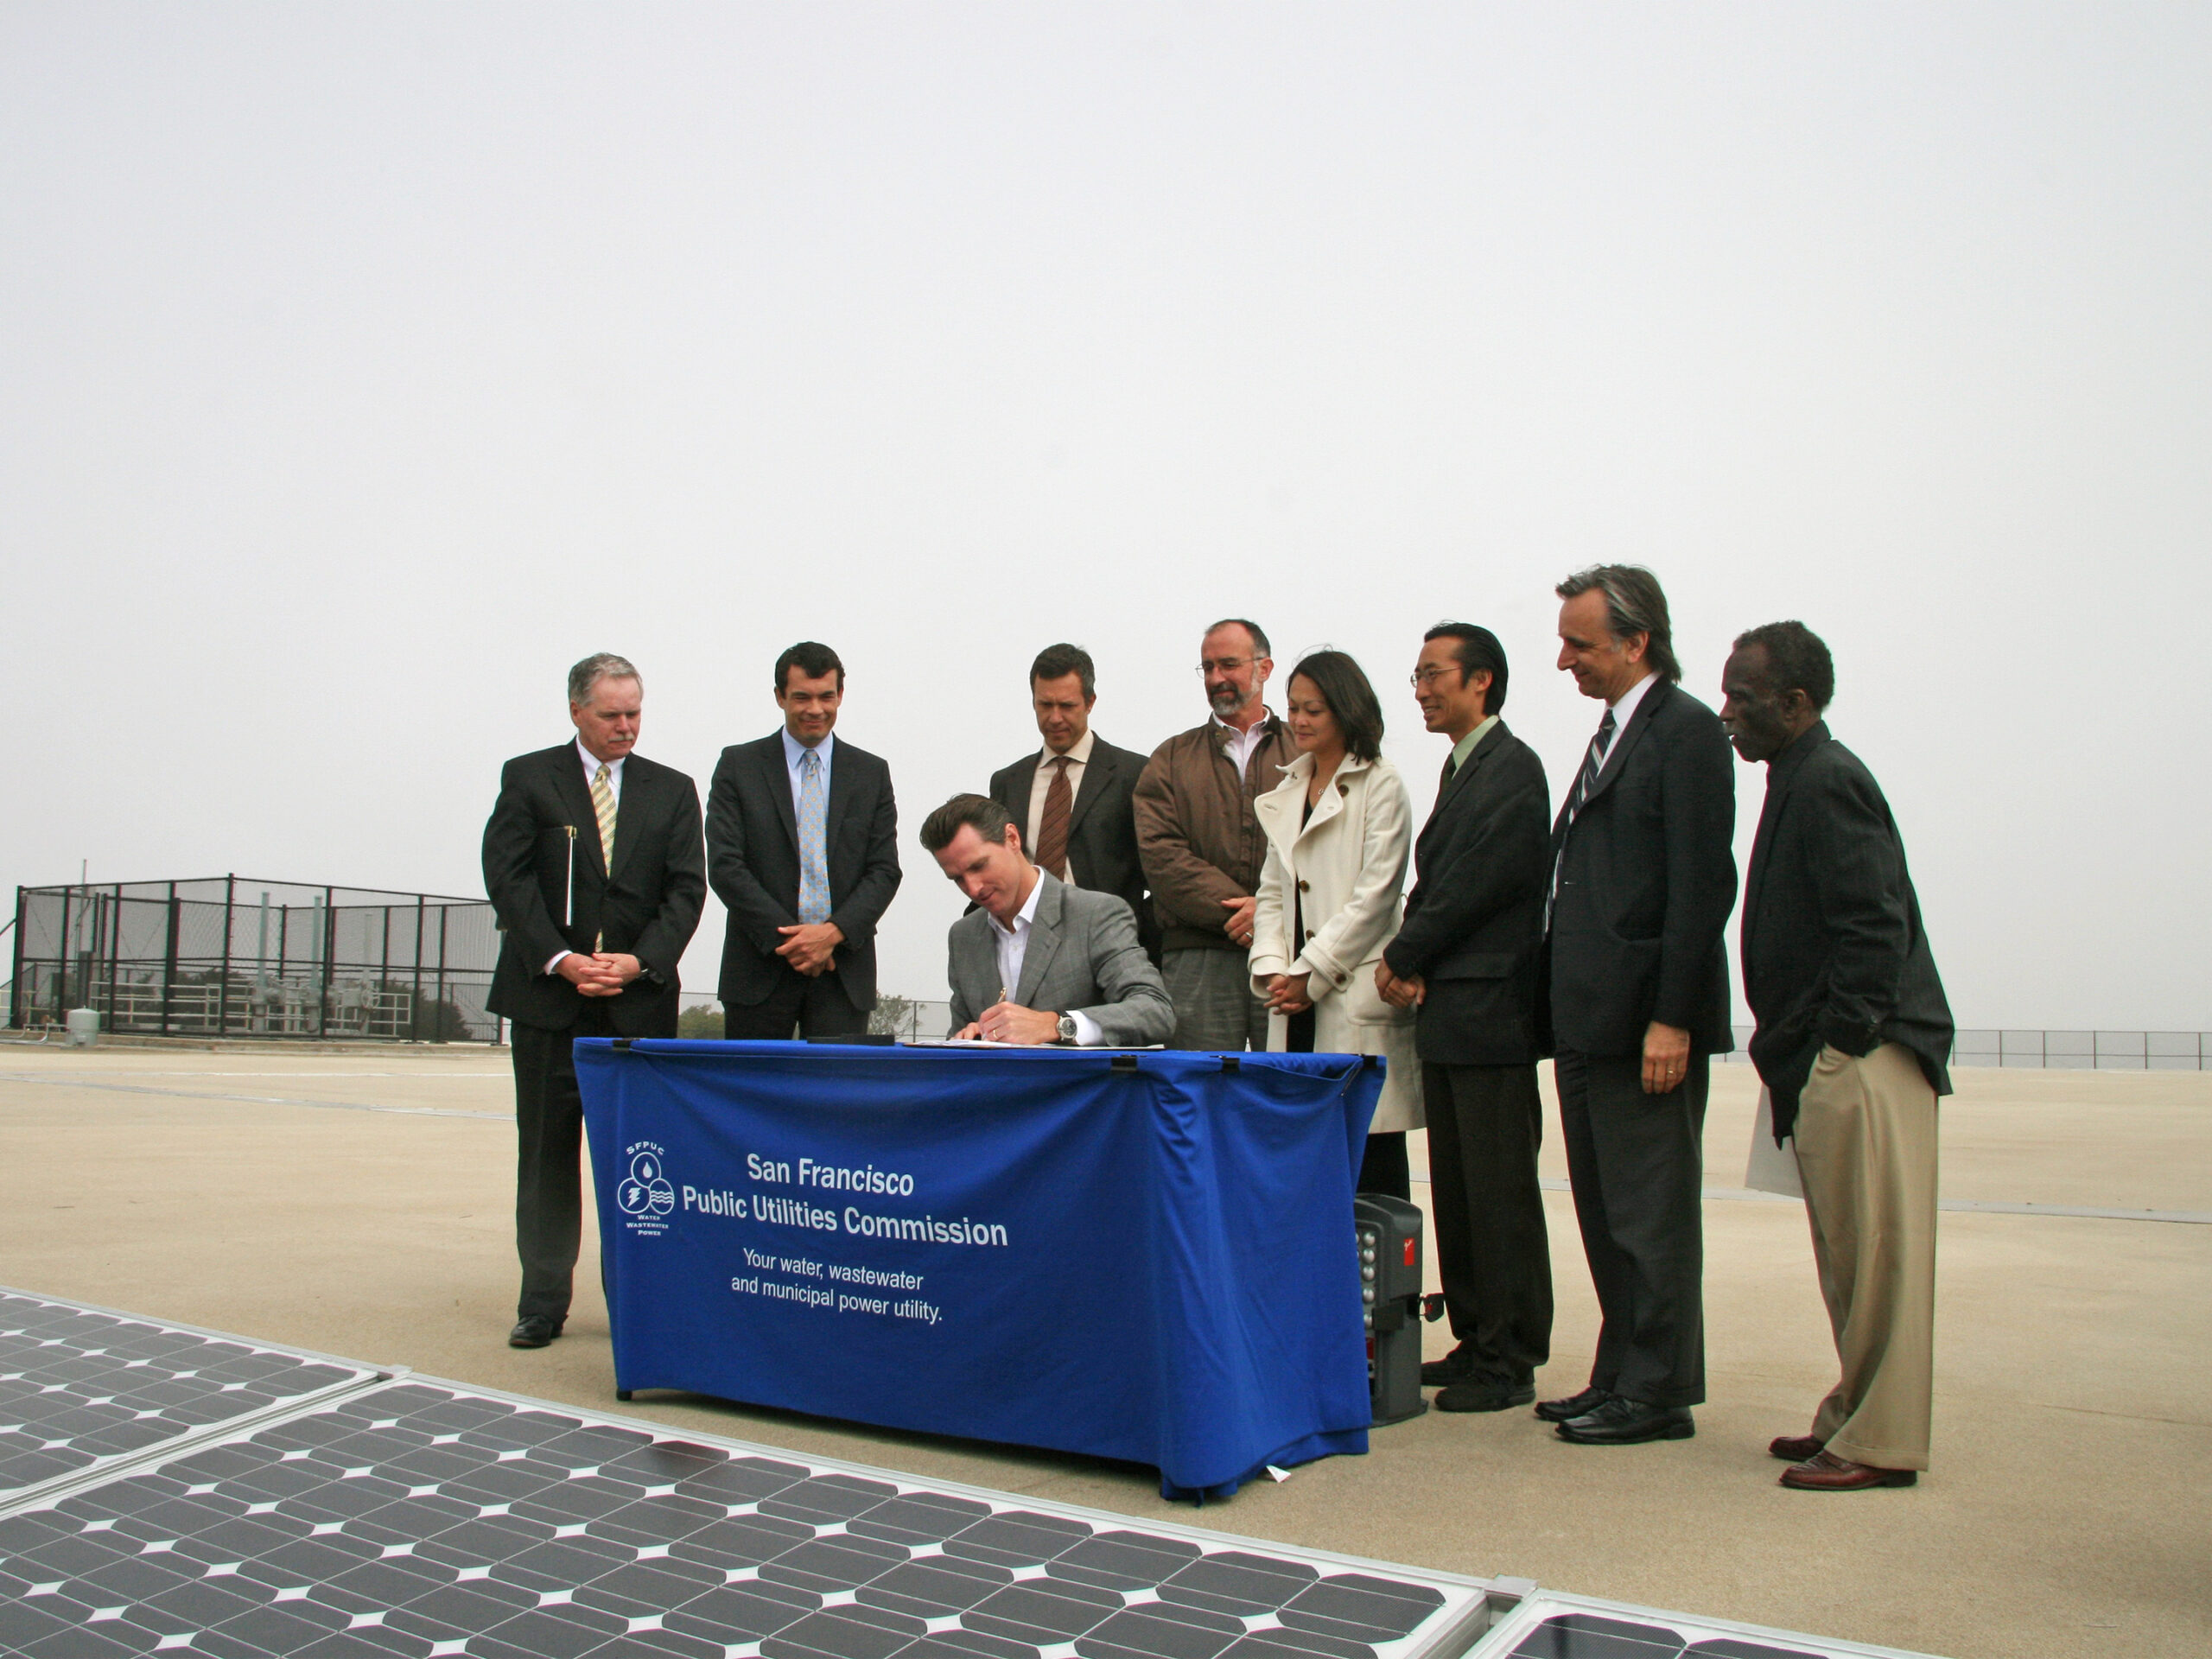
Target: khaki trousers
{"points": [[1865, 1141]]}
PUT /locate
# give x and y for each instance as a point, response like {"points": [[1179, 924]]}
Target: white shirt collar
{"points": [[1026, 916], [1245, 741], [591, 768], [1625, 707], [1079, 754]]}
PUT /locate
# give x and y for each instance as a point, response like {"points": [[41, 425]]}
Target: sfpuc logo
{"points": [[645, 1195]]}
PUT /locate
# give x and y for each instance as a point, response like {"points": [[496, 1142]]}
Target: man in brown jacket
{"points": [[1202, 845]]}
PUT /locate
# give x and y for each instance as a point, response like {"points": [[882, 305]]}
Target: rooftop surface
{"points": [[359, 1203]]}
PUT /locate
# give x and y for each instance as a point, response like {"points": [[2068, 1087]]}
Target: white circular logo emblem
{"points": [[645, 1191]]}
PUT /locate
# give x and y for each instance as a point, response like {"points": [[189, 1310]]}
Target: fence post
{"points": [[415, 990], [114, 949], [169, 958], [223, 985], [61, 957], [438, 1029], [16, 973]]}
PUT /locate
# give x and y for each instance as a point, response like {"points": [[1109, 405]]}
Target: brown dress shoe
{"points": [[1795, 1448], [1824, 1472]]}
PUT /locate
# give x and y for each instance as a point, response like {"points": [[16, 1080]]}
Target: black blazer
{"points": [[752, 860], [647, 906], [1474, 925], [1102, 827], [1647, 877], [1833, 947]]}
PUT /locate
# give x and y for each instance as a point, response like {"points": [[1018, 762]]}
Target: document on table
{"points": [[985, 1042]]}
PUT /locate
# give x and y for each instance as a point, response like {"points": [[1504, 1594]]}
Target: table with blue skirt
{"points": [[1145, 1256]]}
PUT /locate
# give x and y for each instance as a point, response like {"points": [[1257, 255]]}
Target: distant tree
{"points": [[701, 1025], [894, 1016], [446, 1022]]}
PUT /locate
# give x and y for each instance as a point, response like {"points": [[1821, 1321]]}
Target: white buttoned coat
{"points": [[1347, 865]]}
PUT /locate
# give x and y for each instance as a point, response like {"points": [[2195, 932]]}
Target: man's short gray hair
{"points": [[1634, 603], [600, 665]]}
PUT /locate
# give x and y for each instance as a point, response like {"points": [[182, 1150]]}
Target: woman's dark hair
{"points": [[1344, 686]]}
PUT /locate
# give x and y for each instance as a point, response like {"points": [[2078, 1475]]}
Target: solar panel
{"points": [[431, 1519], [82, 1387], [164, 1489], [1546, 1625]]}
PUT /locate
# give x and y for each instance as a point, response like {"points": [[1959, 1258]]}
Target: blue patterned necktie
{"points": [[813, 863]]}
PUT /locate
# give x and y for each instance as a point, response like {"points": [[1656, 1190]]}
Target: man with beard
{"points": [[1202, 844]]}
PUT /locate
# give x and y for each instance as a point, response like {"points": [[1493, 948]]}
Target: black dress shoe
{"points": [[1575, 1405], [1457, 1366], [534, 1331], [1485, 1394], [1628, 1422]]}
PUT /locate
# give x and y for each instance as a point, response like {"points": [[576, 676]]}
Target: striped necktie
{"points": [[1052, 827], [1600, 747], [813, 861], [602, 806], [1593, 765]]}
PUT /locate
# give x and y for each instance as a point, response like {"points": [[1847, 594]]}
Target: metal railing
{"points": [[2083, 1051], [229, 956]]}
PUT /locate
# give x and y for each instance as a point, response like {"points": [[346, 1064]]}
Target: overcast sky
{"points": [[363, 367]]}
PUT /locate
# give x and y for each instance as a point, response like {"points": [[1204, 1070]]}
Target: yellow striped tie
{"points": [[603, 804]]}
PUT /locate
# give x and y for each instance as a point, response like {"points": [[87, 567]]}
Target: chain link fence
{"points": [[230, 956]]}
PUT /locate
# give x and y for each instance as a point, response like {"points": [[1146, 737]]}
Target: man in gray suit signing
{"points": [[1038, 961]]}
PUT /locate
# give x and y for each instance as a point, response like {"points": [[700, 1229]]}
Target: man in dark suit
{"points": [[592, 862], [1852, 1036], [1636, 986], [1467, 956], [1072, 802], [802, 846]]}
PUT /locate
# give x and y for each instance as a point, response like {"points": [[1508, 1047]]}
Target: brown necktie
{"points": [[1052, 831]]}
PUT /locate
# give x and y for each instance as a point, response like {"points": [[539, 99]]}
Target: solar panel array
{"points": [[428, 1519], [240, 1501], [80, 1387], [1557, 1627]]}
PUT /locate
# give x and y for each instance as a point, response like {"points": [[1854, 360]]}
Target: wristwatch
{"points": [[1067, 1027]]}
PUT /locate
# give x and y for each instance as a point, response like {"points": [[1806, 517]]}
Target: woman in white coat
{"points": [[1338, 827]]}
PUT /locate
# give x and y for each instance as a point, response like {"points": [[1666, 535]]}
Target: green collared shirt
{"points": [[1467, 744]]}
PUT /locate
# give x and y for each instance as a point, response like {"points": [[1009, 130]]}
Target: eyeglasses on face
{"points": [[1421, 679], [1222, 664]]}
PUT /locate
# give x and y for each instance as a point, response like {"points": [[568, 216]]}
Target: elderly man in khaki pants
{"points": [[1853, 1034]]}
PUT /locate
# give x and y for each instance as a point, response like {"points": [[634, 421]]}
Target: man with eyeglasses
{"points": [[1202, 845]]}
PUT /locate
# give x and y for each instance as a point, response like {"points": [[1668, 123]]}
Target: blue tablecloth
{"points": [[1152, 1260]]}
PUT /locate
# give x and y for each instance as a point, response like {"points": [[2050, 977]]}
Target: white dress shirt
{"points": [[1077, 758], [1241, 744], [794, 750], [592, 764], [1011, 945]]}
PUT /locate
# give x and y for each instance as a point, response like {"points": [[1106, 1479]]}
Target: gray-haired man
{"points": [[594, 864]]}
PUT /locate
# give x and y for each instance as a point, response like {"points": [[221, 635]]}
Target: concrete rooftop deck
{"points": [[2070, 1509]]}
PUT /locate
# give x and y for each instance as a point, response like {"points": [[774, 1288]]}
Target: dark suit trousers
{"points": [[813, 1007], [1638, 1166], [549, 1189], [1485, 1123]]}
